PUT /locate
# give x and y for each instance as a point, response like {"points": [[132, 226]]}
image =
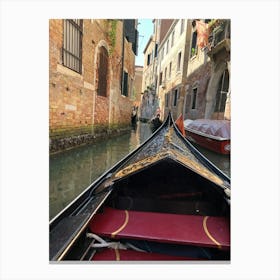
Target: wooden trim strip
{"points": [[208, 233], [113, 234]]}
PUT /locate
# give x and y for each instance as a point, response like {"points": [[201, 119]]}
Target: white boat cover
{"points": [[218, 128]]}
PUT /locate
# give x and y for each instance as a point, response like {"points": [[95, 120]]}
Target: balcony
{"points": [[219, 38]]}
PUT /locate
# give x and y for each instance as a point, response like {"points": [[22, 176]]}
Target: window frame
{"points": [[194, 98], [125, 87], [70, 58], [179, 58], [167, 97], [221, 95], [194, 48], [160, 78], [175, 97]]}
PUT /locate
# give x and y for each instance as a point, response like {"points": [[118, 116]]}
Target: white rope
{"points": [[102, 243], [114, 245], [134, 248]]}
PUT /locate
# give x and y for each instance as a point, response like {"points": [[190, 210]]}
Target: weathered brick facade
{"points": [[198, 79], [138, 85], [75, 106], [191, 80]]}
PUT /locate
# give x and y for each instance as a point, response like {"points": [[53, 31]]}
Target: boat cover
{"points": [[131, 255], [218, 128], [163, 227]]}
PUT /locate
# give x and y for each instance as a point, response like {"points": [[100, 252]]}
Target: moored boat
{"points": [[213, 135], [164, 201]]}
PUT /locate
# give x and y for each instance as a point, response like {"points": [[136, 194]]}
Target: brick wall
{"points": [[200, 78], [74, 106], [138, 85], [70, 102]]}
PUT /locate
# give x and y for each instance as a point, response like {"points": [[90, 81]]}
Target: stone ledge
{"points": [[60, 144]]}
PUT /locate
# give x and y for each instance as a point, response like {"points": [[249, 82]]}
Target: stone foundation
{"points": [[63, 142]]}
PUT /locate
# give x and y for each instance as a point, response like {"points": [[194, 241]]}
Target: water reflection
{"points": [[221, 161], [72, 171]]}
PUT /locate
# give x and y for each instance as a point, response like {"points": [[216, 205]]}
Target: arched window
{"points": [[102, 72], [221, 95], [194, 97]]}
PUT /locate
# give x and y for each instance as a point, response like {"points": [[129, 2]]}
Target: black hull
{"points": [[165, 165], [155, 124]]}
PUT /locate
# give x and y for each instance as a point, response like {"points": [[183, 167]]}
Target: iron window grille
{"points": [[72, 44]]}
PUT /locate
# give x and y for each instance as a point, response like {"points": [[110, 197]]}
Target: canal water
{"points": [[72, 171]]}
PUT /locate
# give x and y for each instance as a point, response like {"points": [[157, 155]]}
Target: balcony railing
{"points": [[219, 31]]}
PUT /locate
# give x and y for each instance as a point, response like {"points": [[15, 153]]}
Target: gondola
{"points": [[163, 202], [155, 123], [213, 135]]}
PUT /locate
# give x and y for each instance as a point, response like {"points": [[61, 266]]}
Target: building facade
{"points": [[91, 78], [208, 79], [137, 94], [218, 96], [197, 77], [149, 102], [172, 68], [191, 78]]}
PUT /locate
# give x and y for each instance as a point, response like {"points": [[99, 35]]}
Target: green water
{"points": [[73, 171]]}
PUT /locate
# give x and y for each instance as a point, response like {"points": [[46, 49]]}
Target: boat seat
{"points": [[205, 231], [131, 255]]}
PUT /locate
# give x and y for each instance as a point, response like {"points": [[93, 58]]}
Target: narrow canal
{"points": [[72, 171]]}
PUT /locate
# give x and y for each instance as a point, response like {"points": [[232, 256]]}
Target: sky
{"points": [[145, 29]]}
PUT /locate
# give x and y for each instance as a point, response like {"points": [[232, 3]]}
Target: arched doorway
{"points": [[102, 77], [221, 95], [217, 90], [102, 72]]}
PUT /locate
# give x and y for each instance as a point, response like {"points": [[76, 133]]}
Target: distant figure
{"points": [[134, 115], [156, 123]]}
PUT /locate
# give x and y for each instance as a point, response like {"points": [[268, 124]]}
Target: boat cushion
{"points": [[163, 227], [131, 255]]}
